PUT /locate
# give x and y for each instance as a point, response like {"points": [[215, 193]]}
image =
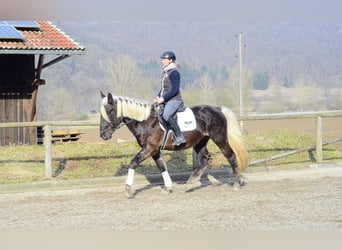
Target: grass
{"points": [[20, 164]]}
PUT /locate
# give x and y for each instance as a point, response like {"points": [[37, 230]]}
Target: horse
{"points": [[216, 123]]}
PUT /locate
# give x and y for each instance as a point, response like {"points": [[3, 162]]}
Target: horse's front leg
{"points": [[141, 156], [165, 174]]}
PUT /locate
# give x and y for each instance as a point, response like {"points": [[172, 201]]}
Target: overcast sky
{"points": [[171, 10]]}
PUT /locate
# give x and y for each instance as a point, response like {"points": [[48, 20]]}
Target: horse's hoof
{"points": [[192, 185], [213, 180], [166, 190], [242, 180], [236, 186], [129, 191]]}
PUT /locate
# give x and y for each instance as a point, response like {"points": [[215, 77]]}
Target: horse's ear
{"points": [[102, 95], [110, 99]]}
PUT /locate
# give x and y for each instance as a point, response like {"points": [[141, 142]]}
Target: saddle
{"points": [[184, 117]]}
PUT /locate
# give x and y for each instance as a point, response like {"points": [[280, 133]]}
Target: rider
{"points": [[170, 94]]}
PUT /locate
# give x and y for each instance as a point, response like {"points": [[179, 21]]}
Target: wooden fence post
{"points": [[48, 151], [319, 139]]}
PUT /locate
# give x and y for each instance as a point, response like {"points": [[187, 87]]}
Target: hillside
{"points": [[287, 54]]}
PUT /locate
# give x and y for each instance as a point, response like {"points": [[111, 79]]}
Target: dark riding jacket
{"points": [[170, 89]]}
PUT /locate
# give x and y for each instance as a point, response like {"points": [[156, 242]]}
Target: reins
{"points": [[123, 123]]}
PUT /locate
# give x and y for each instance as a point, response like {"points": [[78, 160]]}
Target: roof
{"points": [[47, 39]]}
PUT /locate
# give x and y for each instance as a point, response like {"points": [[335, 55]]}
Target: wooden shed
{"points": [[23, 47]]}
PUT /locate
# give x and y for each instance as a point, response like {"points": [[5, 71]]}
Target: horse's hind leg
{"points": [[239, 180], [230, 156], [203, 160]]}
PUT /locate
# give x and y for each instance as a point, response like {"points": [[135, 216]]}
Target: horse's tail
{"points": [[235, 140]]}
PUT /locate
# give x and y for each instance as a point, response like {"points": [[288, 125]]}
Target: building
{"points": [[24, 47]]}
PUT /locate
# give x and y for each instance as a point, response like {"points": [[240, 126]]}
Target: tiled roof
{"points": [[47, 40]]}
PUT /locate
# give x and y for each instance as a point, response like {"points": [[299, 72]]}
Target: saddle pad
{"points": [[185, 119]]}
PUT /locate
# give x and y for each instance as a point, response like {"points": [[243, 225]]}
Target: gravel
{"points": [[309, 199]]}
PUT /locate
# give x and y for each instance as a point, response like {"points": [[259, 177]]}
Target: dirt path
{"points": [[305, 199]]}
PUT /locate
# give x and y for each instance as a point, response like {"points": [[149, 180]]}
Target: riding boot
{"points": [[178, 134]]}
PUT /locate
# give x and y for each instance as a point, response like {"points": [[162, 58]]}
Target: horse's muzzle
{"points": [[105, 136]]}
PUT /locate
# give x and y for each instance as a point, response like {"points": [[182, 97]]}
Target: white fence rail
{"points": [[47, 125]]}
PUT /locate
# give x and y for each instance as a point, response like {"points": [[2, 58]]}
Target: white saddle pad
{"points": [[186, 120]]}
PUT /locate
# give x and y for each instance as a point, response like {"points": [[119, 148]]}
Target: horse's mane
{"points": [[130, 107]]}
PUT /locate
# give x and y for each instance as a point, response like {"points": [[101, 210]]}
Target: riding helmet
{"points": [[168, 55]]}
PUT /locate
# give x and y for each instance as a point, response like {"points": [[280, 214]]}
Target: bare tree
{"points": [[233, 84], [206, 87], [124, 74], [60, 103]]}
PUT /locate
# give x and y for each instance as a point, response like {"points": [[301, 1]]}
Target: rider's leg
{"points": [[169, 111], [179, 135]]}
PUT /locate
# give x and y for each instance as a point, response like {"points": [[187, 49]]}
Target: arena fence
{"points": [[48, 125]]}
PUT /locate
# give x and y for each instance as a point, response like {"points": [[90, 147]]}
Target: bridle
{"points": [[121, 117], [122, 123], [111, 126]]}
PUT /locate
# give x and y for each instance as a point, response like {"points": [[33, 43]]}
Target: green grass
{"points": [[86, 160]]}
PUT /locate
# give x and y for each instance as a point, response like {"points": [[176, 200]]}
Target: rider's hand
{"points": [[159, 100]]}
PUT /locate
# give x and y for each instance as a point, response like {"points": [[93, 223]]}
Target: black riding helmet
{"points": [[168, 55]]}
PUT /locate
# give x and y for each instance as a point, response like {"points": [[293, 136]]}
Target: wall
{"points": [[16, 76]]}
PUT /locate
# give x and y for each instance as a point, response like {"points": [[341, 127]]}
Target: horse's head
{"points": [[109, 120]]}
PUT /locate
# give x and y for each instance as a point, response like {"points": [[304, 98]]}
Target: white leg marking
{"points": [[167, 179], [130, 176]]}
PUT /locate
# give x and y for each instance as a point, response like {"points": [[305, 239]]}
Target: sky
{"points": [[173, 10]]}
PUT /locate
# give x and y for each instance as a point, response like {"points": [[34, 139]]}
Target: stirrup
{"points": [[179, 140]]}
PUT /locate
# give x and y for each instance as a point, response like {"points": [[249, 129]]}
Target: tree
{"points": [[60, 103], [124, 75], [275, 101], [233, 84], [287, 83], [206, 88], [261, 81]]}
